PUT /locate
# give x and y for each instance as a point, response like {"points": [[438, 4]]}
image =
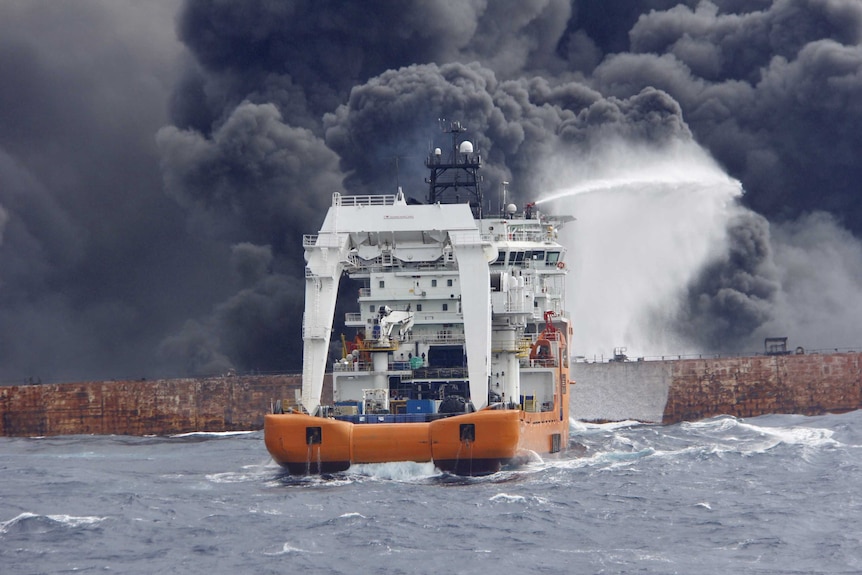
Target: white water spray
{"points": [[648, 220]]}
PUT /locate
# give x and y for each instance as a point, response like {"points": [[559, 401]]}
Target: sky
{"points": [[159, 162]]}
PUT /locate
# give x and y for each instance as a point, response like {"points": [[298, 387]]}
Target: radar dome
{"points": [[466, 147], [511, 208]]}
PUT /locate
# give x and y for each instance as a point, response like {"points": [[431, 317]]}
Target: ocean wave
{"points": [[625, 444], [805, 436], [579, 427], [729, 434], [285, 479], [506, 498], [215, 434], [34, 523], [402, 471], [351, 515], [517, 499], [288, 549], [250, 473]]}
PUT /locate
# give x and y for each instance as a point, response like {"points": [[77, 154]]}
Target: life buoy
{"points": [[560, 265]]}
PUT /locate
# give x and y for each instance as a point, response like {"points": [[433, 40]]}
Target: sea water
{"points": [[774, 494]]}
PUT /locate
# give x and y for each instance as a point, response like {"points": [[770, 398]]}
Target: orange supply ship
{"points": [[460, 356]]}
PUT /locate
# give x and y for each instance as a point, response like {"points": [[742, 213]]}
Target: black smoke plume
{"points": [[160, 161]]}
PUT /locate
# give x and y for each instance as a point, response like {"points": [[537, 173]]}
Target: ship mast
{"points": [[460, 173]]}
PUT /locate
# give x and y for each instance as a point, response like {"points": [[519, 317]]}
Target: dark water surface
{"points": [[775, 494]]}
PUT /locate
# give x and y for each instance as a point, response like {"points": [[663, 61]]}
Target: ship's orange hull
{"points": [[475, 443]]}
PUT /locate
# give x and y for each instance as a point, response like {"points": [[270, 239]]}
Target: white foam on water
{"points": [[576, 426], [4, 526], [730, 435], [602, 460], [804, 436], [74, 521], [265, 511], [64, 520], [529, 457], [506, 498], [714, 424], [311, 481], [211, 434], [250, 473], [396, 470], [288, 549]]}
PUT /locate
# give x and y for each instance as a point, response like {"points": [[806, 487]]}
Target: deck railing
{"points": [[364, 200]]}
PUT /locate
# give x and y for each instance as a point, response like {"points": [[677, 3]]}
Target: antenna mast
{"points": [[460, 172]]}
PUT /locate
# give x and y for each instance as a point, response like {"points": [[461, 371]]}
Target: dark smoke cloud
{"points": [[251, 263], [820, 269], [255, 178], [305, 56], [735, 294], [159, 161], [92, 249], [515, 123], [257, 326], [259, 182], [773, 93]]}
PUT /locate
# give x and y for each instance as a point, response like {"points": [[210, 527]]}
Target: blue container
{"points": [[420, 406]]}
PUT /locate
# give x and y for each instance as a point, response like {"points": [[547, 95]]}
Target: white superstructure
{"points": [[451, 302]]}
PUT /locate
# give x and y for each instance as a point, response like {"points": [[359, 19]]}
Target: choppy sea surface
{"points": [[774, 494]]}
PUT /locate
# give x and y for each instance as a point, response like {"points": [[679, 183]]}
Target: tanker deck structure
{"points": [[460, 349]]}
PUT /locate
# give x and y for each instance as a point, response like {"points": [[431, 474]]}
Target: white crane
{"points": [[388, 319]]}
